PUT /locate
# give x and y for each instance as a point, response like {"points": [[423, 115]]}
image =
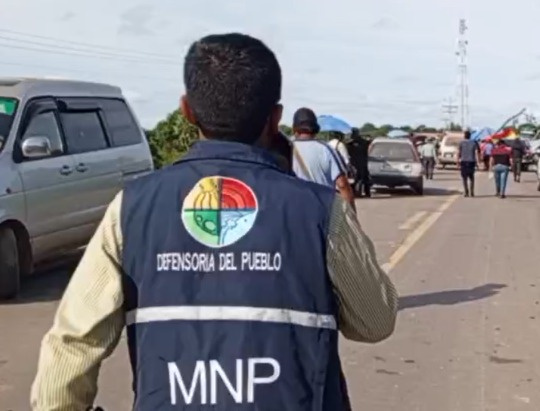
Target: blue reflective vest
{"points": [[227, 295]]}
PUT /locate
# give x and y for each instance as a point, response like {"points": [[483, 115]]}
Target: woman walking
{"points": [[501, 163]]}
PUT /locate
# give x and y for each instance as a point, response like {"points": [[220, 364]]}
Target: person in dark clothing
{"points": [[358, 150], [468, 158], [501, 162], [518, 152]]}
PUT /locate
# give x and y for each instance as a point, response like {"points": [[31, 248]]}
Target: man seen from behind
{"points": [[232, 276], [468, 160], [315, 160]]}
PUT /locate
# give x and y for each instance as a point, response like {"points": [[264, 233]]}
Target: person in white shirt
{"points": [[428, 154], [336, 142]]}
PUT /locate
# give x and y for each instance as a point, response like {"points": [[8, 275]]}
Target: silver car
{"points": [[394, 162], [66, 149]]}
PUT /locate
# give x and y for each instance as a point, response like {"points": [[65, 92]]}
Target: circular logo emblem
{"points": [[219, 211]]}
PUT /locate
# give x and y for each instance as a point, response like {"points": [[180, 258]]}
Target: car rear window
{"points": [[392, 152], [83, 131], [122, 128], [453, 141]]}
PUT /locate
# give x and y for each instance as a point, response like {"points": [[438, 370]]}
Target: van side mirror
{"points": [[36, 147]]}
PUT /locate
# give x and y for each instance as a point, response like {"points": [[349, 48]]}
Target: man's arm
{"points": [[367, 298], [339, 175], [87, 325]]}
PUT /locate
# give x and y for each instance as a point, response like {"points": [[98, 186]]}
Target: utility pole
{"points": [[462, 65], [448, 110]]}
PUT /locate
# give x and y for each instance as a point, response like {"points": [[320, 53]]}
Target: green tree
{"points": [[285, 129], [455, 127], [171, 138], [368, 128]]}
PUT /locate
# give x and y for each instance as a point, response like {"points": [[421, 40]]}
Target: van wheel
{"points": [[9, 264], [418, 188]]}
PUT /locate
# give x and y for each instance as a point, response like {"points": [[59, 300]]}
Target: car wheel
{"points": [[9, 264], [418, 188]]}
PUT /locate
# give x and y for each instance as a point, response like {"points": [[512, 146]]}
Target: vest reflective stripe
{"points": [[227, 313]]}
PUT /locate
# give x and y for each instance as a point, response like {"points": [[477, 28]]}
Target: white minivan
{"points": [[449, 149], [66, 149]]}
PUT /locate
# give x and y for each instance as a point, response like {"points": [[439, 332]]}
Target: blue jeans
{"points": [[500, 173]]}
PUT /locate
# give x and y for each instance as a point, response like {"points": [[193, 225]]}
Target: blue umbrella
{"points": [[397, 133], [331, 123]]}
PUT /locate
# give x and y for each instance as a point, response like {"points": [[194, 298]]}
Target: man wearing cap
{"points": [[231, 288], [315, 160]]}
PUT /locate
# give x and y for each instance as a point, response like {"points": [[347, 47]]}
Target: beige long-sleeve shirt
{"points": [[90, 317]]}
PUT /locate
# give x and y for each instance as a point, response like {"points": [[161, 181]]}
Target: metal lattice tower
{"points": [[463, 83], [448, 110]]}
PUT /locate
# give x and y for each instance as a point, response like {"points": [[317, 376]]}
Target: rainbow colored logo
{"points": [[219, 211]]}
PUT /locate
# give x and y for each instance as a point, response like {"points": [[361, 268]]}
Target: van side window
{"points": [[83, 131], [44, 124], [122, 128]]}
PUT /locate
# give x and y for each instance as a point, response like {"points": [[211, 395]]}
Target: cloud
{"points": [[136, 20], [67, 16], [385, 24], [365, 61]]}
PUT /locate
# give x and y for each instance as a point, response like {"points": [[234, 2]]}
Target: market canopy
{"points": [[482, 134], [509, 133]]}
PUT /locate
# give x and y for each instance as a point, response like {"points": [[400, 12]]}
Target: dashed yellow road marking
{"points": [[417, 234], [411, 221]]}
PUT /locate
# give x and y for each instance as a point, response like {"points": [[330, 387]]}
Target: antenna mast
{"points": [[462, 64]]}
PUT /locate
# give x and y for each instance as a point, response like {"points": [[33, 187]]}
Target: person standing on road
{"points": [[315, 160], [232, 276], [338, 144], [359, 150], [428, 154], [468, 159], [501, 163], [486, 154], [518, 152]]}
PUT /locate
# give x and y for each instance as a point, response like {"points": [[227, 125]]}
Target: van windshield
{"points": [[8, 106]]}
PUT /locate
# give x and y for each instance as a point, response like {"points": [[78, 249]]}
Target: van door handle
{"points": [[66, 170], [81, 167]]}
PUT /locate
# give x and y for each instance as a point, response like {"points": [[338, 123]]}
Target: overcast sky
{"points": [[382, 61]]}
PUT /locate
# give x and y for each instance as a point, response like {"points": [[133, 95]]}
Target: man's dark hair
{"points": [[232, 83], [467, 134]]}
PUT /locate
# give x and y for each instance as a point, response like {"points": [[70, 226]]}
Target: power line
{"points": [[82, 44], [78, 50], [124, 75], [66, 53]]}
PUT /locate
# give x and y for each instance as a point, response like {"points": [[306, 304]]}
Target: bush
{"points": [[171, 139]]}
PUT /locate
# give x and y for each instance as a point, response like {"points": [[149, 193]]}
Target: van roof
{"points": [[26, 88], [399, 140]]}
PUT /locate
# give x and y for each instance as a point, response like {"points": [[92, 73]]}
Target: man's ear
{"points": [[187, 111], [275, 119]]}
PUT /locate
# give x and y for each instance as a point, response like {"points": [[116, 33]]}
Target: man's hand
{"points": [[345, 190]]}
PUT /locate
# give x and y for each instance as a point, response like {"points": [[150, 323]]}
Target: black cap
{"points": [[305, 120]]}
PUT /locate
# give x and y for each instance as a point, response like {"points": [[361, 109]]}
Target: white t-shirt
{"points": [[341, 149]]}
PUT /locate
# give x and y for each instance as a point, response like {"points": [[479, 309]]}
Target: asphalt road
{"points": [[468, 329]]}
